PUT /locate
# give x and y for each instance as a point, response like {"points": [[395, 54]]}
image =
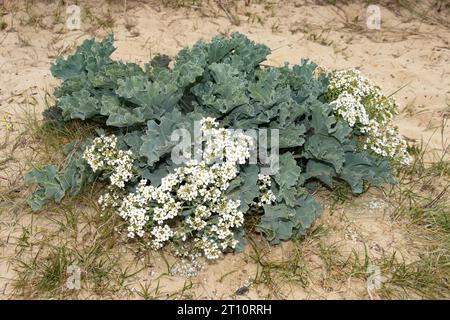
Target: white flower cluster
{"points": [[190, 203], [267, 196], [104, 155], [350, 109], [362, 105], [110, 199], [223, 144]]}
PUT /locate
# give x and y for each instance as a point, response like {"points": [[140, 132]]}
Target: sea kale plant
{"points": [[331, 127]]}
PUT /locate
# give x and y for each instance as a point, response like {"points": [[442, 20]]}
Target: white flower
{"points": [[190, 205], [350, 109], [362, 105], [267, 198], [104, 155], [161, 234]]}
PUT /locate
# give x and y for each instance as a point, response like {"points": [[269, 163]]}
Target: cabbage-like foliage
{"points": [[53, 184], [223, 79]]}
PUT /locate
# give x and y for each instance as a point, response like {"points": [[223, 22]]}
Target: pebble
{"points": [[186, 268]]}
